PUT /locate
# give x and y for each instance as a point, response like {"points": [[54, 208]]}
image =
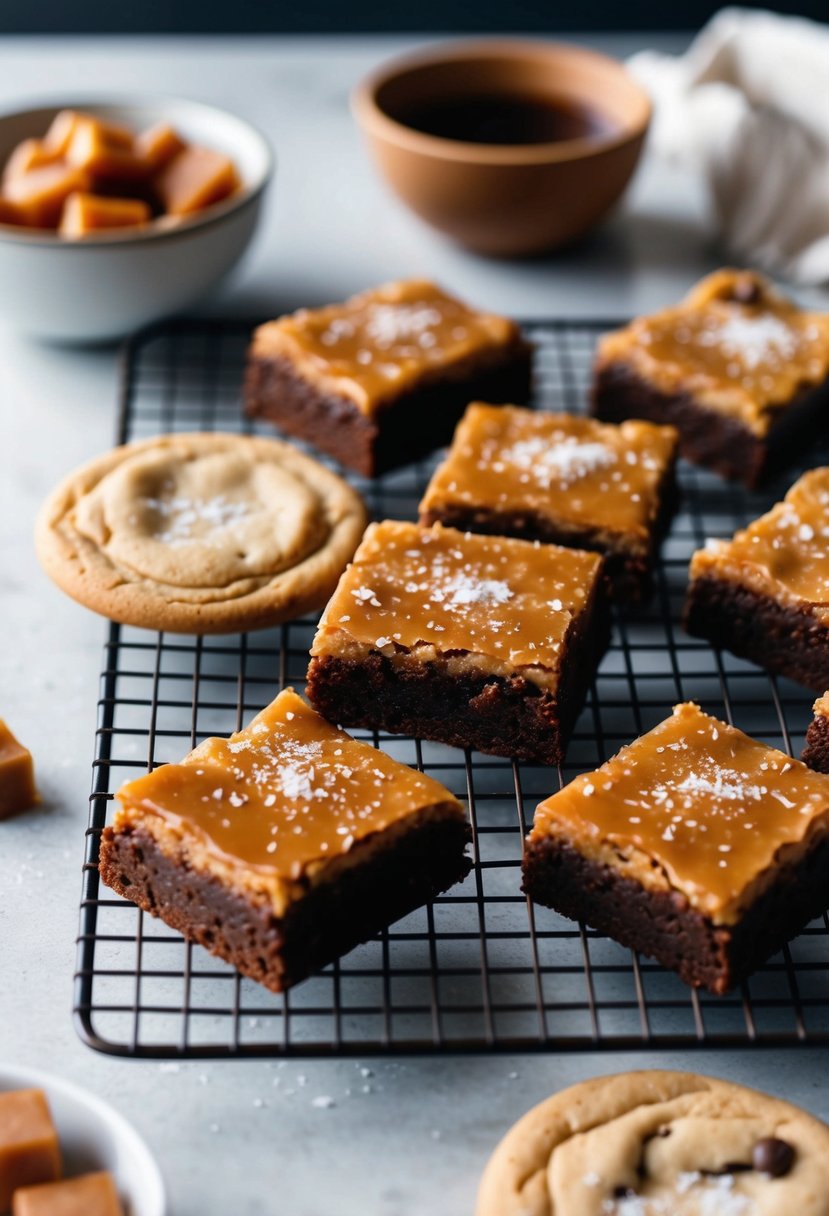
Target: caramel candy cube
{"points": [[196, 178], [158, 145], [61, 130], [29, 1149], [88, 1195], [9, 214], [40, 194], [85, 213], [30, 154], [104, 151], [17, 782]]}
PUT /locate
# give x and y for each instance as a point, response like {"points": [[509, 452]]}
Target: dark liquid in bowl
{"points": [[506, 119]]}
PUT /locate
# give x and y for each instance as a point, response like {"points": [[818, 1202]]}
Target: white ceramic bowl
{"points": [[93, 1136], [109, 284]]}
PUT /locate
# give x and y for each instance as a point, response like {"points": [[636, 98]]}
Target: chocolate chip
{"points": [[773, 1157], [623, 1192]]}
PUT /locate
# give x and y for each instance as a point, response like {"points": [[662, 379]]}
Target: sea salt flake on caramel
{"points": [[158, 145], [85, 213], [196, 178], [17, 777], [39, 195], [29, 1148], [88, 1195]]}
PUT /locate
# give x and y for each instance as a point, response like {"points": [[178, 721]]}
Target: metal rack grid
{"points": [[479, 969]]}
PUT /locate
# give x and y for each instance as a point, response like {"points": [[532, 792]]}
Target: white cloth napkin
{"points": [[748, 107]]}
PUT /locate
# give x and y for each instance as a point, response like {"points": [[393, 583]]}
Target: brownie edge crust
{"points": [[707, 437], [785, 640], [326, 921], [664, 926], [497, 715], [410, 427]]}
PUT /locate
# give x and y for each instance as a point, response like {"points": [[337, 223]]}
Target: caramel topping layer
{"points": [[785, 552], [285, 793], [508, 600], [381, 343], [734, 343], [821, 706], [562, 466], [704, 802]]}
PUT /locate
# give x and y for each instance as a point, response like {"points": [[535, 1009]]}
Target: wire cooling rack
{"points": [[479, 969]]}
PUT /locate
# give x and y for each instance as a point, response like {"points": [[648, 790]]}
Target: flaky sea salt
{"points": [[565, 461], [464, 589]]}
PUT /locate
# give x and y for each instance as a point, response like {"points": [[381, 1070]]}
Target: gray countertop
{"points": [[245, 1137]]}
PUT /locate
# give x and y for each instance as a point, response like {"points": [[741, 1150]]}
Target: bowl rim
{"points": [[375, 121], [22, 1077], [14, 234]]}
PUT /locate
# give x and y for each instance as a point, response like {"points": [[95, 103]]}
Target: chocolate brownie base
{"points": [[663, 924], [785, 640], [497, 715], [410, 427], [816, 751], [630, 575], [707, 437], [327, 921]]}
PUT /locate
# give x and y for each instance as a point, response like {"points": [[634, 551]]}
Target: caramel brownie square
{"points": [[476, 641], [696, 845], [281, 848], [383, 378], [740, 371], [563, 479], [764, 594], [816, 751]]}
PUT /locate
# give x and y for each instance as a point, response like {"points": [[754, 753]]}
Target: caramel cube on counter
{"points": [[17, 782], [39, 195], [85, 213], [104, 151], [30, 154], [158, 145], [196, 178], [88, 1195], [29, 1149]]}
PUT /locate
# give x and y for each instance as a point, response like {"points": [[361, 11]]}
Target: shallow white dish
{"points": [[93, 1136], [109, 284]]}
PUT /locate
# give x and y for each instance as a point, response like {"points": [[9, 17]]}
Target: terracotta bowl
{"points": [[505, 200]]}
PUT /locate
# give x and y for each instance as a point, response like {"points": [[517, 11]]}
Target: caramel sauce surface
{"points": [[788, 548], [509, 600], [564, 466], [734, 341], [380, 343], [708, 804], [288, 790]]}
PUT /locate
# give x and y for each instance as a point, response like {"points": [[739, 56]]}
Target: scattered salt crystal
{"points": [[464, 589], [323, 1102]]}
